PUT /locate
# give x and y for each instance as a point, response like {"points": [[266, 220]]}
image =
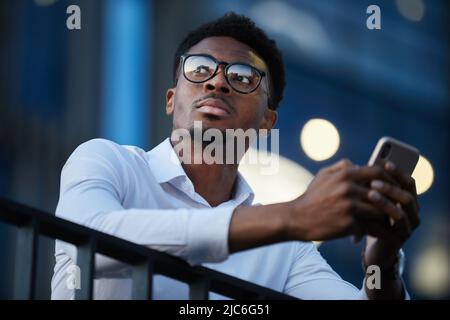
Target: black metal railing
{"points": [[145, 262]]}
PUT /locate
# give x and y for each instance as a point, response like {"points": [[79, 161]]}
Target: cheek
{"points": [[252, 114], [182, 115], [178, 112], [185, 96], [181, 102]]}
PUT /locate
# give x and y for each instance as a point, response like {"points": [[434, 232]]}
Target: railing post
{"points": [[143, 280], [86, 263], [199, 288], [26, 260]]}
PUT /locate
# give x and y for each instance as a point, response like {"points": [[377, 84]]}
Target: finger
{"points": [[342, 164], [386, 206], [408, 183], [400, 224], [353, 190], [405, 181], [358, 231], [393, 192], [379, 230], [371, 221], [367, 212], [362, 220], [402, 228], [413, 217], [363, 207], [404, 198], [363, 226], [367, 173], [360, 209]]}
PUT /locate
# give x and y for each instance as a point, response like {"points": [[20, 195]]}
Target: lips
{"points": [[214, 107]]}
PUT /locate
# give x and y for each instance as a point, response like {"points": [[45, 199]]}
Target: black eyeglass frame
{"points": [[227, 65]]}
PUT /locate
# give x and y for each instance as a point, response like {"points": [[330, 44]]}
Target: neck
{"points": [[214, 182]]}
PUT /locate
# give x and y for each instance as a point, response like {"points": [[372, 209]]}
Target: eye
{"points": [[242, 75], [243, 79], [202, 69]]}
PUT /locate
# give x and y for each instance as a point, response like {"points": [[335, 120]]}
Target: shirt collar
{"points": [[243, 192], [166, 167], [164, 162]]}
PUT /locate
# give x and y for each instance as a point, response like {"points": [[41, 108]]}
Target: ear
{"points": [[269, 119], [170, 101]]}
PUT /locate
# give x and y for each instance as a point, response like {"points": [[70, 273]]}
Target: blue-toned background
{"points": [[61, 87]]}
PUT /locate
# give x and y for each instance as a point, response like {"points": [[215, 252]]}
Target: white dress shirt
{"points": [[146, 198]]}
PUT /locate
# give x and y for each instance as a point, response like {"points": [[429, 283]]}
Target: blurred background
{"points": [[347, 86]]}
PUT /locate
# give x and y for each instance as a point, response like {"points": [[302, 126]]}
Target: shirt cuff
{"points": [[208, 231]]}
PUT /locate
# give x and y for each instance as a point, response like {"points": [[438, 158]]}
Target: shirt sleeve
{"points": [[312, 278], [91, 194]]}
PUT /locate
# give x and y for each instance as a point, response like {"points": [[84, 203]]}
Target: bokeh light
{"points": [[413, 10], [45, 3], [287, 183], [319, 139], [423, 174], [431, 271]]}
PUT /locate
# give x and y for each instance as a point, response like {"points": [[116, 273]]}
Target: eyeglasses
{"points": [[242, 77]]}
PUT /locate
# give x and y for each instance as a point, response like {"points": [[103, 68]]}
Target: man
{"points": [[229, 75]]}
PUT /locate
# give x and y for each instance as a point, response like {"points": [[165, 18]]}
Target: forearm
{"points": [[255, 226]]}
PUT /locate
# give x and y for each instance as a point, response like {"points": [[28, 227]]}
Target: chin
{"points": [[212, 121]]}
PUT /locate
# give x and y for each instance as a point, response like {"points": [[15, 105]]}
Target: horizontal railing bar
{"points": [[132, 253], [236, 288]]}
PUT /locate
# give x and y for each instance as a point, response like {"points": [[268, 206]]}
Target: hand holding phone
{"points": [[402, 155]]}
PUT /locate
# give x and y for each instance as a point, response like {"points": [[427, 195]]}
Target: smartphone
{"points": [[404, 156]]}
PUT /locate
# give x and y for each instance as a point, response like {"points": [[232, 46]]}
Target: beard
{"points": [[197, 135], [228, 143]]}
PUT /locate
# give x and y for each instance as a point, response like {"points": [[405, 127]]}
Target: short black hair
{"points": [[244, 30]]}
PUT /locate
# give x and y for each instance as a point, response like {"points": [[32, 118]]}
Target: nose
{"points": [[218, 82]]}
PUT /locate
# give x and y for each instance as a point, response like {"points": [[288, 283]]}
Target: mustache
{"points": [[214, 96]]}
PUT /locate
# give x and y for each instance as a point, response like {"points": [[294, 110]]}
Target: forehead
{"points": [[229, 50]]}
